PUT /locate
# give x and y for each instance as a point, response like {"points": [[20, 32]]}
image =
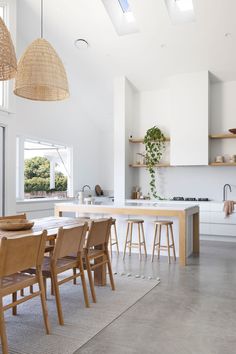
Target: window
{"points": [[184, 5], [44, 169], [124, 5], [3, 84], [121, 16], [2, 170], [180, 11]]}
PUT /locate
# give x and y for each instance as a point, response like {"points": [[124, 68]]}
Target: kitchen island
{"points": [[185, 217]]}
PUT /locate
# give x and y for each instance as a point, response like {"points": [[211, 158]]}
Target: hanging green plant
{"points": [[154, 142]]}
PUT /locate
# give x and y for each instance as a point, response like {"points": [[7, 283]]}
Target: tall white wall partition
{"points": [[124, 113], [189, 119]]}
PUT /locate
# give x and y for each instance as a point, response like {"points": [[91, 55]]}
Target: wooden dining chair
{"points": [[96, 249], [19, 216], [69, 241], [15, 256]]}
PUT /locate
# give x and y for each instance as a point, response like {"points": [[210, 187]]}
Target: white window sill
{"points": [[41, 200]]}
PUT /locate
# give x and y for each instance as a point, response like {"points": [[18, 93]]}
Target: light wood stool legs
{"points": [[126, 239], [158, 245], [172, 240], [114, 240], [154, 241], [129, 238], [144, 242]]}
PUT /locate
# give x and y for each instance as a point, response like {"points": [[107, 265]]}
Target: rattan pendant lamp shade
{"points": [[41, 75], [8, 63]]}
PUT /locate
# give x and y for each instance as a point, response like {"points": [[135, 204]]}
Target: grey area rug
{"points": [[26, 333]]}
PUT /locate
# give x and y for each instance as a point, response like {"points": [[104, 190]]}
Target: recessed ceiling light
{"points": [[184, 5], [81, 43]]}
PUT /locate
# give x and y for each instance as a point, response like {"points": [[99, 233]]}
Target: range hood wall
{"points": [[189, 119]]}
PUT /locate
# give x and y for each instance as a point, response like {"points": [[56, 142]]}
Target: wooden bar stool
{"points": [[113, 240], [129, 235], [158, 228]]}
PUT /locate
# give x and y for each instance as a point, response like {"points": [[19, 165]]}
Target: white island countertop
{"points": [[162, 205], [181, 211]]}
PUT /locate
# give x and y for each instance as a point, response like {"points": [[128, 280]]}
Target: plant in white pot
{"points": [[154, 142]]}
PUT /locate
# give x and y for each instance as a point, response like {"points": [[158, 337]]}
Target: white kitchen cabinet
{"points": [[213, 223], [189, 119]]}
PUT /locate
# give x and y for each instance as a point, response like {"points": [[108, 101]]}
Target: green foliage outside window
{"points": [[37, 176]]}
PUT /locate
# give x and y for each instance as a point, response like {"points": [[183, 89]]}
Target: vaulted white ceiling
{"points": [[157, 51]]}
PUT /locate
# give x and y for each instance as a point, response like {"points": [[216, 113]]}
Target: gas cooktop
{"points": [[190, 199]]}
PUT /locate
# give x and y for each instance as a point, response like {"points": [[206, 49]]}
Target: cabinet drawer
{"points": [[219, 218], [223, 230]]}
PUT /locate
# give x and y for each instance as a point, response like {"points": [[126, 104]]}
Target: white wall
{"points": [[75, 122], [154, 108], [189, 119], [124, 115]]}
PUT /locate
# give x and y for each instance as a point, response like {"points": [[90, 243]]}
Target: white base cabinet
{"points": [[213, 223]]}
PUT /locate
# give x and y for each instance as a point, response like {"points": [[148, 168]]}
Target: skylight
{"points": [[180, 11], [124, 4], [128, 14], [184, 5], [121, 15]]}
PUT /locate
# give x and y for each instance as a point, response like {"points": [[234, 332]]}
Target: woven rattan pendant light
{"points": [[8, 62], [41, 75]]}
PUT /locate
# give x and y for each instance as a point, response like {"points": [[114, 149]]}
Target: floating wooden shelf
{"points": [[223, 136], [222, 164], [145, 166], [140, 140], [211, 136]]}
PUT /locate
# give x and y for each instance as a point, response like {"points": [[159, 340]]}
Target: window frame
{"points": [[20, 141]]}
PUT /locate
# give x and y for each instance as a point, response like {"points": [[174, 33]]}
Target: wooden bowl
{"points": [[16, 224], [233, 130]]}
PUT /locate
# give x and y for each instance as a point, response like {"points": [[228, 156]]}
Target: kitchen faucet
{"points": [[225, 191], [86, 185]]}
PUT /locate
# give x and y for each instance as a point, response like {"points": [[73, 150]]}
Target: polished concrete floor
{"points": [[192, 311]]}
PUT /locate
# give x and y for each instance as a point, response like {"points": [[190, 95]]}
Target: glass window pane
{"points": [[124, 4], [45, 170], [1, 93]]}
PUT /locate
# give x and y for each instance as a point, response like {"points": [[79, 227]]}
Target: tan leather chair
{"points": [[96, 249], [15, 256]]}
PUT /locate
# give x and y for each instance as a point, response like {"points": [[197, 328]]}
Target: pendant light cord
{"points": [[41, 18]]}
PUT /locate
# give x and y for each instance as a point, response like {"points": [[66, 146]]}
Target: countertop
{"points": [[153, 201], [131, 205]]}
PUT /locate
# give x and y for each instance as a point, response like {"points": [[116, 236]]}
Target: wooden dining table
{"points": [[52, 224]]}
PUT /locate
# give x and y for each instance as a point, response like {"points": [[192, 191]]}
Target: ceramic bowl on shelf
{"points": [[232, 130], [219, 159]]}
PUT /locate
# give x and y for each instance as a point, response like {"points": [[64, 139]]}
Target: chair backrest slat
{"points": [[99, 232], [17, 254], [18, 216], [70, 240]]}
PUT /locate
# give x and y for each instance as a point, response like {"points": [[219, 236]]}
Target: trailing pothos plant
{"points": [[154, 142]]}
